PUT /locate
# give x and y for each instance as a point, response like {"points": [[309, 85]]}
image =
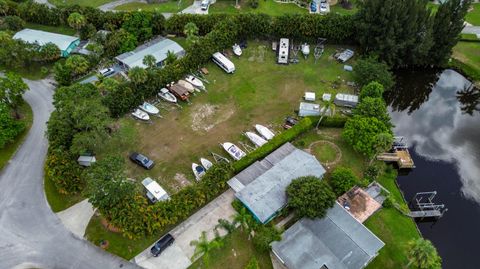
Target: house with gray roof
{"points": [[336, 241], [65, 43], [262, 186], [158, 48]]}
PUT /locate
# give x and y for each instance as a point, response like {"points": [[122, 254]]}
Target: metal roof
{"points": [[155, 189], [158, 47], [336, 241], [261, 187], [42, 38]]}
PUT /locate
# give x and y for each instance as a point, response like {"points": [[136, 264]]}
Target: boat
{"points": [[264, 131], [139, 114], [197, 83], [206, 163], [187, 86], [256, 139], [237, 50], [233, 150], [305, 49], [149, 108], [198, 171], [167, 96], [179, 91]]}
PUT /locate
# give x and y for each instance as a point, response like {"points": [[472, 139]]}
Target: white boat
{"points": [[166, 95], [264, 131], [149, 108], [198, 171], [206, 163], [233, 150], [305, 49], [139, 114], [195, 82], [187, 86], [237, 50], [256, 139]]}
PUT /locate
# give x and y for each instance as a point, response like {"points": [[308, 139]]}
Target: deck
{"points": [[401, 157], [426, 214]]}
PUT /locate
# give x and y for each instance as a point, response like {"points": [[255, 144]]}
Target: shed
{"points": [[346, 100], [155, 192], [65, 43], [311, 109], [86, 160], [309, 96]]}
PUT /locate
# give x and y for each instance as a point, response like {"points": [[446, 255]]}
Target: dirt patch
{"points": [[181, 180], [206, 116], [107, 225]]}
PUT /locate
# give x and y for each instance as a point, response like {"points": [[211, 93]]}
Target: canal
{"points": [[439, 114]]}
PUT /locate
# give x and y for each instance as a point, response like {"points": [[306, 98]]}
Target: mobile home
{"points": [[346, 100], [223, 62], [283, 51], [155, 192]]}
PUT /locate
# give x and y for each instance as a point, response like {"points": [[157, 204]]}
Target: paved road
{"points": [[471, 30], [31, 235], [112, 5]]}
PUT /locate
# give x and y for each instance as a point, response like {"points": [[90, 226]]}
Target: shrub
{"points": [[9, 127], [342, 180], [389, 201], [253, 3], [62, 169], [372, 172], [12, 23], [310, 197], [264, 235]]}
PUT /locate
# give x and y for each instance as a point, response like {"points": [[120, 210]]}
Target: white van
{"points": [[223, 62], [204, 5]]}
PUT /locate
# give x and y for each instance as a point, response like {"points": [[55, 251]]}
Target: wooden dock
{"points": [[400, 156], [425, 214]]}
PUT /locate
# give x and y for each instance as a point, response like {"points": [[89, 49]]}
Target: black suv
{"points": [[141, 160], [161, 245]]}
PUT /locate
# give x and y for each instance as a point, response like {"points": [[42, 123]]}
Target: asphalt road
{"points": [[31, 235]]}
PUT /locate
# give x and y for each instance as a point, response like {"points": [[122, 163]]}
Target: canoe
{"points": [[195, 82], [139, 114], [264, 131], [256, 139], [167, 96], [187, 86], [198, 171], [237, 50], [206, 163], [233, 150], [149, 108]]}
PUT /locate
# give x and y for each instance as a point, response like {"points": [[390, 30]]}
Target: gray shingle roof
{"points": [[337, 241]]}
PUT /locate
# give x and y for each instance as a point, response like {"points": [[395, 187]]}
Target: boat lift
{"points": [[424, 207], [319, 49], [295, 49], [219, 158]]}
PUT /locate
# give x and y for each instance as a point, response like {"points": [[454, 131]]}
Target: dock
{"points": [[425, 214], [400, 156]]}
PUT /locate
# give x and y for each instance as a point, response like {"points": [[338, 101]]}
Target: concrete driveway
{"points": [[77, 217], [178, 255], [195, 8]]}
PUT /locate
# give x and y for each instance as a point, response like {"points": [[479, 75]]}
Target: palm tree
{"points": [[226, 225], [171, 57], [203, 247], [150, 61], [422, 254], [190, 29], [78, 64], [245, 220], [137, 75], [328, 105], [76, 20]]}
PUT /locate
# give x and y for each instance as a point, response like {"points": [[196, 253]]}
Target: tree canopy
{"points": [[372, 89], [422, 254], [373, 107], [12, 88], [9, 127], [342, 180], [369, 69]]}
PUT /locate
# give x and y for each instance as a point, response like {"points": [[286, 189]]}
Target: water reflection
{"points": [[441, 122]]}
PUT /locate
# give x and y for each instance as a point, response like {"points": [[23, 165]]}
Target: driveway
{"points": [[77, 217], [178, 255], [112, 5], [32, 236], [471, 30], [195, 8]]}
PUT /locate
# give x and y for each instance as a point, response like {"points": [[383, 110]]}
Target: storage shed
{"points": [[346, 100], [86, 160], [155, 192], [65, 43]]}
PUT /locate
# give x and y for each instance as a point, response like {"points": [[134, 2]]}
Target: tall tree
{"points": [[370, 69], [203, 247], [76, 20], [49, 52], [422, 254], [150, 61], [171, 57], [191, 31], [12, 88], [448, 24], [373, 107], [78, 64], [342, 180], [9, 127], [137, 75], [372, 89]]}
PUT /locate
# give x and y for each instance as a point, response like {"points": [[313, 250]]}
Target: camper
{"points": [[155, 192], [223, 62], [283, 50]]}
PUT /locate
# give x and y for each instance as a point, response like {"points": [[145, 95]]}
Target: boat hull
{"points": [[233, 151], [264, 131]]}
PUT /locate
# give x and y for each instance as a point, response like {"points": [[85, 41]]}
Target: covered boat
{"points": [[149, 108], [195, 82], [305, 49], [256, 139], [264, 131], [187, 86], [179, 91], [233, 150], [167, 96], [198, 171], [237, 50], [139, 114], [206, 163]]}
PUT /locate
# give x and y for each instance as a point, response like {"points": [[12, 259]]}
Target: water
{"points": [[440, 118]]}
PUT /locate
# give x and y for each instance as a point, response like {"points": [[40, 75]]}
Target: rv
{"points": [[223, 62], [283, 50], [155, 192]]}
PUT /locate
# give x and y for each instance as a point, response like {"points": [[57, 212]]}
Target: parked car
{"points": [[313, 6], [204, 5], [161, 245], [107, 72], [141, 160]]}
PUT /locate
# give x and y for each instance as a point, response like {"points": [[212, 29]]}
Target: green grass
{"points": [[235, 254], [65, 30], [269, 7], [473, 16], [87, 3], [340, 10], [58, 201], [7, 152], [467, 53], [324, 152], [170, 6]]}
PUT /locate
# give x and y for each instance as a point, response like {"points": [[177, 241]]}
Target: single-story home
{"points": [[65, 43], [261, 187], [336, 241], [158, 48]]}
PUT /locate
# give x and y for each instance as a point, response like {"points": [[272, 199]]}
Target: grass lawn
{"points": [[324, 152], [87, 3], [468, 53], [235, 254], [65, 30], [58, 201], [269, 7], [337, 8], [7, 152], [473, 16], [170, 6]]}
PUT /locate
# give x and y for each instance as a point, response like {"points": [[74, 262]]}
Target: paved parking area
{"points": [[77, 217], [178, 255]]}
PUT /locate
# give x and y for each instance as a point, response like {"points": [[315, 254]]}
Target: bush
{"points": [[265, 235], [310, 197], [252, 264], [333, 121], [389, 201], [342, 180], [9, 127], [12, 23], [372, 172], [253, 3], [62, 169]]}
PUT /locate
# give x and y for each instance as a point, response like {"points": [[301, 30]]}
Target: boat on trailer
{"points": [[179, 91], [206, 163], [256, 139], [305, 49], [264, 131], [195, 82], [233, 150], [187, 86], [139, 114], [237, 50], [198, 171], [149, 108], [167, 95]]}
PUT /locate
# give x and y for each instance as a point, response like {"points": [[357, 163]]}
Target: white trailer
{"points": [[283, 50], [223, 62], [155, 192]]}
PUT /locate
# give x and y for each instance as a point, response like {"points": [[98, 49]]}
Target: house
{"points": [[158, 48], [346, 100], [155, 192], [336, 241], [261, 187], [65, 43]]}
